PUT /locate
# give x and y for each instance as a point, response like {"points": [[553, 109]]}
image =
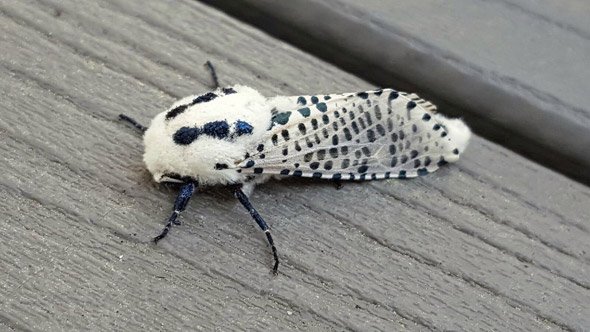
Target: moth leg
{"points": [[132, 121], [338, 184], [209, 66], [256, 216], [186, 192]]}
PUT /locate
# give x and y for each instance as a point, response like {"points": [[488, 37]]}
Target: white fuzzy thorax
{"points": [[198, 159]]}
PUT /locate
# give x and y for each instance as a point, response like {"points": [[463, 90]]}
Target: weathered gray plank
{"points": [[518, 68], [425, 254]]}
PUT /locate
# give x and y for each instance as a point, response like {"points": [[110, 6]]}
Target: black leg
{"points": [[209, 65], [338, 184], [246, 203], [135, 124], [182, 199]]}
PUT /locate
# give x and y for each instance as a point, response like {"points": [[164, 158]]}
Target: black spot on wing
{"points": [[392, 149], [392, 95], [335, 140], [363, 95], [355, 127], [393, 161], [371, 135], [369, 119], [345, 163], [377, 110], [281, 118], [305, 112], [314, 124], [333, 152], [410, 106], [347, 134], [285, 134], [366, 151], [302, 129], [380, 129]]}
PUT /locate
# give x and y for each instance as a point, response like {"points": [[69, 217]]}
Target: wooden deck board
{"points": [[477, 245]]}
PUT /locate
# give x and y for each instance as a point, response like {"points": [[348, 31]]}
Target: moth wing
{"points": [[360, 136]]}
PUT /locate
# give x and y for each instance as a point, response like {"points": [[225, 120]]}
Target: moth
{"points": [[236, 137]]}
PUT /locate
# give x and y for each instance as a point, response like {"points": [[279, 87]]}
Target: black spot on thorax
{"points": [[220, 166], [228, 91], [217, 129], [186, 135], [181, 108]]}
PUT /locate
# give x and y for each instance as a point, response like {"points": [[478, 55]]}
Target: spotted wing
{"points": [[362, 136]]}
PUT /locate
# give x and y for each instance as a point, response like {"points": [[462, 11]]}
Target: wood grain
{"points": [[494, 242]]}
